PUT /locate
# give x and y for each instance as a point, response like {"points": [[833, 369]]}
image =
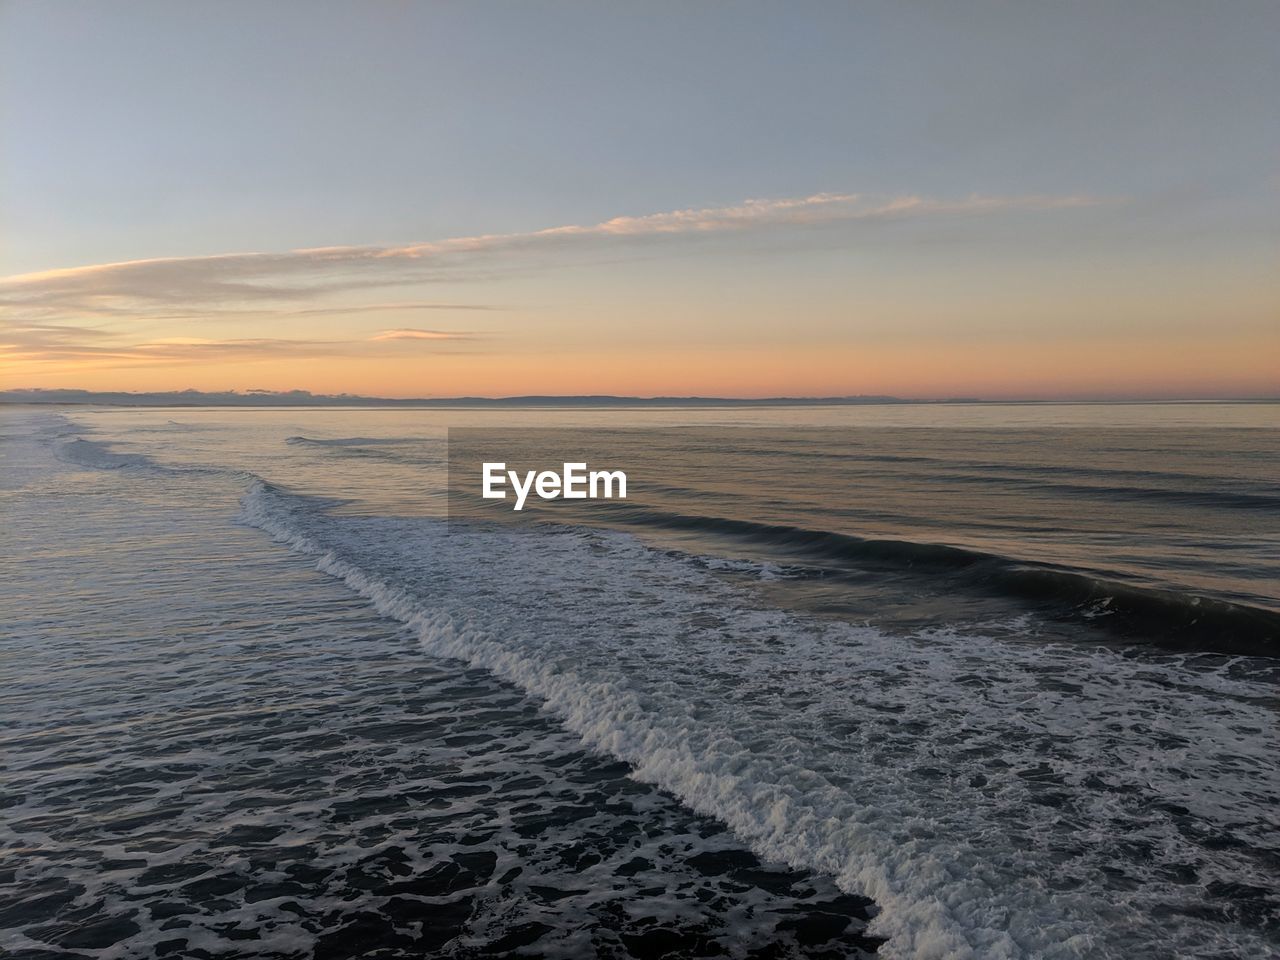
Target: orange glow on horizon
{"points": [[1173, 368]]}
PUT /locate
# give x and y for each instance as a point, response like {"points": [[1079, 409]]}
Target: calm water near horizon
{"points": [[916, 681]]}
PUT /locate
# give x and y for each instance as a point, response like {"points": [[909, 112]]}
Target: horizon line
{"points": [[73, 396]]}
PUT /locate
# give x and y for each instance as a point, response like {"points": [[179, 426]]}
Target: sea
{"points": [[901, 681]]}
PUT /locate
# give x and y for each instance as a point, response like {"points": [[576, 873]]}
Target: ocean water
{"points": [[962, 681]]}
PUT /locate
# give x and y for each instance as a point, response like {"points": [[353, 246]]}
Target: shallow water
{"points": [[265, 690]]}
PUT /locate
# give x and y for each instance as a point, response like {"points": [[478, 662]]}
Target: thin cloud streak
{"points": [[58, 344], [401, 307], [140, 287], [413, 333]]}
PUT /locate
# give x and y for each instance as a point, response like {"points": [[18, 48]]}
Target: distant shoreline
{"points": [[302, 399]]}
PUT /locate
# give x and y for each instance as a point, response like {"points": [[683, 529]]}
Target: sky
{"points": [[411, 199]]}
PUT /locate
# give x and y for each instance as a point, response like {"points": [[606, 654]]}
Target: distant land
{"points": [[304, 398]]}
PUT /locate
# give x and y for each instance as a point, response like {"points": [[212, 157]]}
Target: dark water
{"points": [[817, 688], [1169, 537]]}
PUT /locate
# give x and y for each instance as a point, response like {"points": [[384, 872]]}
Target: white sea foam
{"points": [[210, 749], [995, 799]]}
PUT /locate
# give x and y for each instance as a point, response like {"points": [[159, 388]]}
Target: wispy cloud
{"points": [[84, 314], [400, 307], [412, 333], [292, 282], [85, 346]]}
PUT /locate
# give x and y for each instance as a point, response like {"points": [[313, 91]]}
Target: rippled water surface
{"points": [[1002, 686]]}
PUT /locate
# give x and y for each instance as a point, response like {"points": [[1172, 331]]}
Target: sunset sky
{"points": [[417, 199]]}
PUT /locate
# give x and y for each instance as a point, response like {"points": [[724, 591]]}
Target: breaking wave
{"points": [[913, 770], [1150, 615], [90, 453], [995, 799]]}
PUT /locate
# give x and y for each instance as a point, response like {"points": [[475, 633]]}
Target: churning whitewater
{"points": [[996, 791], [972, 789]]}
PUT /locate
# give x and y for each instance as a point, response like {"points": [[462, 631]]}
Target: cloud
{"points": [[74, 314], [50, 343], [398, 307], [411, 333], [289, 283], [54, 341]]}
